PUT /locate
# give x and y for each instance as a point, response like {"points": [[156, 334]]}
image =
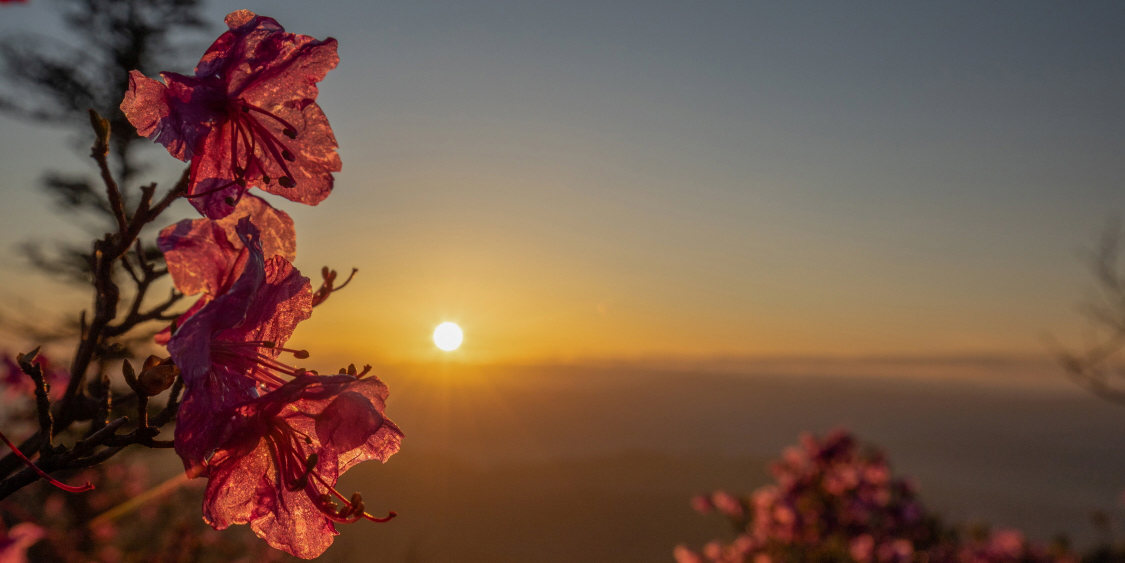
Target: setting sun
{"points": [[448, 336]]}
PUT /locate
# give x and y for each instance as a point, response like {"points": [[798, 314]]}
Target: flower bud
{"points": [[157, 374]]}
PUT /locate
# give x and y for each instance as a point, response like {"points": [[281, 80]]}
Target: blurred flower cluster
{"points": [[49, 526], [834, 501], [271, 438]]}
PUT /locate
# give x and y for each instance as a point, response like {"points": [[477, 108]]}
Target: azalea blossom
{"points": [[227, 352], [278, 466], [248, 117], [205, 256]]}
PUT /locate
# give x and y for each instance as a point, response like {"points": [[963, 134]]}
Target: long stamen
{"points": [[234, 150], [271, 144], [227, 352], [266, 361], [247, 143], [289, 130], [266, 377], [282, 436], [390, 515], [353, 509], [68, 488], [299, 354]]}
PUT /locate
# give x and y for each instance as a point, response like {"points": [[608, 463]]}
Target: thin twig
{"points": [[100, 153], [42, 401]]}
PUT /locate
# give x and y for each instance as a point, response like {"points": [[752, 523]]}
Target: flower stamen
{"points": [[288, 131], [68, 488], [300, 474]]}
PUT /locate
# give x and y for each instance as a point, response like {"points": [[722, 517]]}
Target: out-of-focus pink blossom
{"points": [[248, 117], [1008, 542], [727, 504], [17, 383], [702, 504], [683, 554], [835, 501], [862, 547], [898, 550], [14, 543], [713, 550]]}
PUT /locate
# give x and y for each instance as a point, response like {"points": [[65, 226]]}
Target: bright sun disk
{"points": [[448, 336]]}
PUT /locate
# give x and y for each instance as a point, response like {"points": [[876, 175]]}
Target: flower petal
{"points": [[177, 115]]}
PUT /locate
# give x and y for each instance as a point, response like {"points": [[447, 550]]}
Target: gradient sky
{"points": [[593, 180]]}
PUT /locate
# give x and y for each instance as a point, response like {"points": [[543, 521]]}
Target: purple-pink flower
{"points": [[271, 438], [229, 348], [247, 118], [205, 256], [277, 469]]}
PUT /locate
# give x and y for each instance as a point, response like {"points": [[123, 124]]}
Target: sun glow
{"points": [[448, 336]]}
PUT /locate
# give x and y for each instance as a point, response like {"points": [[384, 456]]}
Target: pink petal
{"points": [[347, 422], [203, 255], [278, 236], [207, 416], [200, 257], [212, 184], [278, 304], [177, 115], [314, 151]]}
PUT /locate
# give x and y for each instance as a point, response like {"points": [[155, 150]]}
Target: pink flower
{"points": [[278, 467], [247, 118], [229, 348], [14, 543], [206, 256]]}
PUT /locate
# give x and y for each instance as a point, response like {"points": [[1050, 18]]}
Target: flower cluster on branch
{"points": [[272, 438]]}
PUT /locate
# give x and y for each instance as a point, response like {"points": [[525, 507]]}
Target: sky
{"points": [[587, 181]]}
